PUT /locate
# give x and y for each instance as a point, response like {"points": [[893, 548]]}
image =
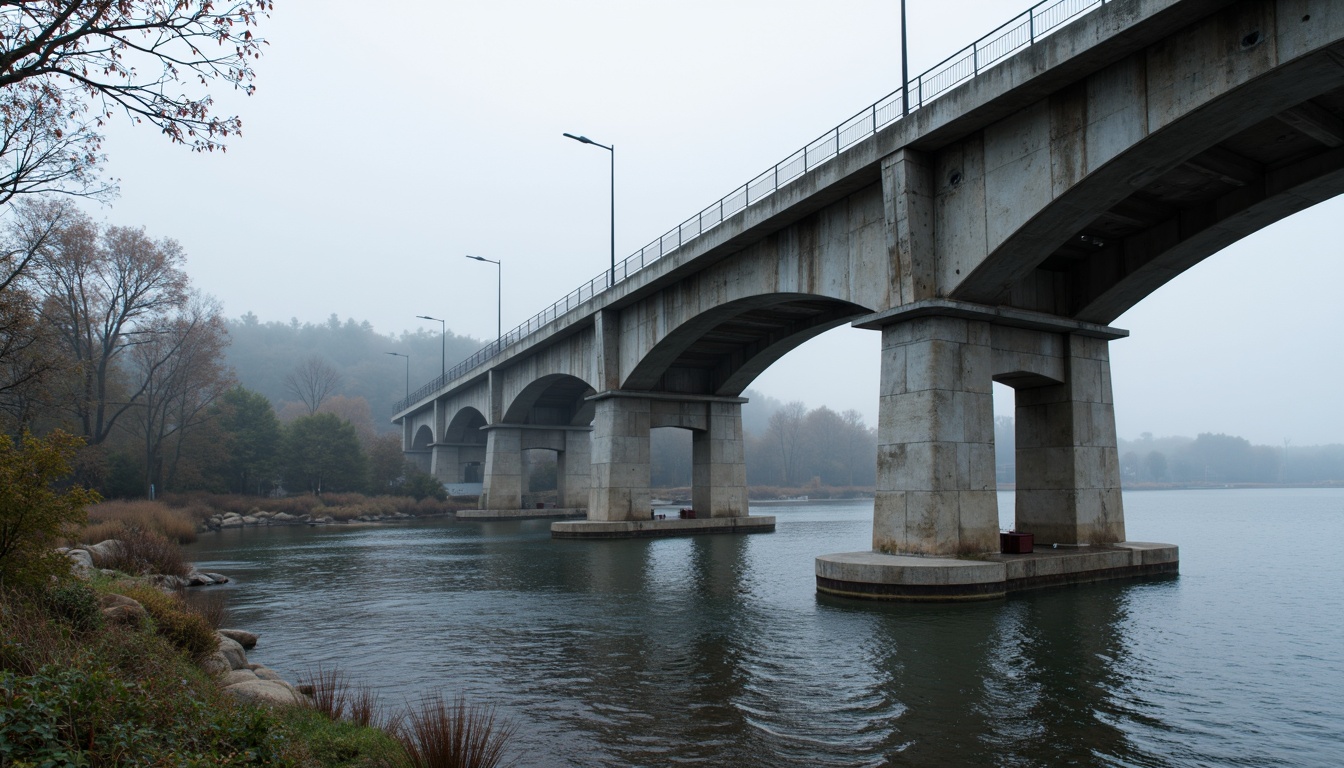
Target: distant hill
{"points": [[263, 353]]}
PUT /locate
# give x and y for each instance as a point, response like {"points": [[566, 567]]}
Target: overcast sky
{"points": [[386, 141]]}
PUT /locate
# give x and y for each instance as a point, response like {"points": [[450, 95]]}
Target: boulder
{"points": [[198, 579], [228, 515], [218, 578], [264, 692], [250, 520], [236, 676], [246, 640], [231, 522], [80, 559], [216, 665], [119, 609], [232, 651], [266, 673], [283, 517], [105, 550]]}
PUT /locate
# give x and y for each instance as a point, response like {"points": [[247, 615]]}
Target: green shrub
{"points": [[74, 603], [89, 716], [33, 514]]}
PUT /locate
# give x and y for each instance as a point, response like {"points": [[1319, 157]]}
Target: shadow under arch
{"points": [[557, 399], [465, 428], [424, 438], [722, 350]]}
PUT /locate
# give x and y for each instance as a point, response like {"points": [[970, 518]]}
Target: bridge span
{"points": [[1044, 180]]}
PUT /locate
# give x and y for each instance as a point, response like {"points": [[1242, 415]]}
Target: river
{"points": [[717, 650]]}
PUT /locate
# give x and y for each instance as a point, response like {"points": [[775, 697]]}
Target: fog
{"points": [[382, 146]]}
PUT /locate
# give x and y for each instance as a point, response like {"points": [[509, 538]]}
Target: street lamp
{"points": [[443, 343], [408, 372], [905, 68], [499, 298], [611, 280]]}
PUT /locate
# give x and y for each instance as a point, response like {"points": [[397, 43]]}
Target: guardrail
{"points": [[1020, 32]]}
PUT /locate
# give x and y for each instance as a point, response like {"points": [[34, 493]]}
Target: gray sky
{"points": [[382, 146]]}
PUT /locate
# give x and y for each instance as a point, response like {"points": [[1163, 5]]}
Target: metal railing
{"points": [[1022, 31]]}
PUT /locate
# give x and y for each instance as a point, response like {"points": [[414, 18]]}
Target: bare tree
{"points": [[312, 382], [107, 291], [66, 66], [184, 375], [785, 432]]}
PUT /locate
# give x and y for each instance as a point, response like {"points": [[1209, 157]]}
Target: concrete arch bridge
{"points": [[989, 235]]}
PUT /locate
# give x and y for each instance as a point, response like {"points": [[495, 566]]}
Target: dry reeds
{"points": [[335, 696], [440, 734], [106, 518], [144, 551], [209, 605]]}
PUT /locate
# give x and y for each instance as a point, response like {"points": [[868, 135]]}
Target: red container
{"points": [[1014, 543]]}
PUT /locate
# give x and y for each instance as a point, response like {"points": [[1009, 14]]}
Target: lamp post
{"points": [[499, 298], [408, 372], [905, 68], [443, 343], [611, 279]]}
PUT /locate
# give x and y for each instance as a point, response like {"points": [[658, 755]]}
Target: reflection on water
{"points": [[718, 651]]}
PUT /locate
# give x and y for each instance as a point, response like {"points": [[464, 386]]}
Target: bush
{"points": [[74, 603], [144, 552], [186, 629], [33, 514]]}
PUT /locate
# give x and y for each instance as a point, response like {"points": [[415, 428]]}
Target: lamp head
{"points": [[581, 139]]}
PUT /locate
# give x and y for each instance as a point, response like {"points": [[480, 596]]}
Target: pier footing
{"points": [[875, 576], [492, 515], [638, 529]]}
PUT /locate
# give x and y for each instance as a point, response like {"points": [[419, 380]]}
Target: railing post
{"points": [[975, 58], [805, 168], [1031, 17]]}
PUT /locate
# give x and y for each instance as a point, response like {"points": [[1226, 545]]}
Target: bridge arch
{"points": [[1180, 185], [465, 427], [721, 350], [556, 399], [424, 438]]}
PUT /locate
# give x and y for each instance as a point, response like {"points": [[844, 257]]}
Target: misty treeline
{"points": [[103, 335], [1205, 459], [787, 446]]}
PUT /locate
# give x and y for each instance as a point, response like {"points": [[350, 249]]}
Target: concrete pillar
{"points": [[935, 457], [445, 463], [1068, 466], [503, 484], [573, 471], [620, 460], [718, 464]]}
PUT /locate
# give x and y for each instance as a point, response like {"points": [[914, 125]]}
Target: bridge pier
{"points": [[936, 500], [620, 499], [502, 487]]}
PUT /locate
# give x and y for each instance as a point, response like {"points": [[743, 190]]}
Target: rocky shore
{"points": [[261, 518], [247, 681]]}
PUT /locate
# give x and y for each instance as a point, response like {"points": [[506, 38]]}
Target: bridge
{"points": [[988, 219]]}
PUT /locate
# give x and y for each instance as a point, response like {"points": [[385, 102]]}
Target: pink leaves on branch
{"points": [[138, 57]]}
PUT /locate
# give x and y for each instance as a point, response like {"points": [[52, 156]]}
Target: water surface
{"points": [[717, 650]]}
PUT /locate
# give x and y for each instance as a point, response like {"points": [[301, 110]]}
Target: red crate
{"points": [[1014, 543]]}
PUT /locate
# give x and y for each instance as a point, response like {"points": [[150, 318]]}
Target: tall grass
{"points": [[106, 518], [440, 734], [144, 551]]}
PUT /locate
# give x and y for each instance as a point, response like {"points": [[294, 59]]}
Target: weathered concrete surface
{"points": [[877, 576], [639, 529]]}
